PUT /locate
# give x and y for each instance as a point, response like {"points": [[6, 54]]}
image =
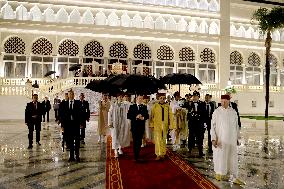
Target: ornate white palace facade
{"points": [[214, 40]]}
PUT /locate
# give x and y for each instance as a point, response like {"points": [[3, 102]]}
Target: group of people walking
{"points": [[70, 113], [155, 120]]}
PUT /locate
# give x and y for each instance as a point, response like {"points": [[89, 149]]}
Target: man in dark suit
{"points": [[86, 116], [46, 108], [195, 118], [209, 109], [70, 117], [137, 114], [33, 113]]}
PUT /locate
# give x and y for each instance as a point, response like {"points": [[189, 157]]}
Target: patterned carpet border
{"points": [[113, 175], [197, 177]]}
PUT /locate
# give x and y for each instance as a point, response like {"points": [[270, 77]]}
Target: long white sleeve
{"points": [[110, 115], [213, 126]]}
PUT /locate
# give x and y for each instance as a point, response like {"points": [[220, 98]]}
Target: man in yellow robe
{"points": [[161, 121]]}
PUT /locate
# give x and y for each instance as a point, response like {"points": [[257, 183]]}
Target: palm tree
{"points": [[268, 21]]}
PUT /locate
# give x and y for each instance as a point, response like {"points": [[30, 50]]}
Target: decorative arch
{"points": [[236, 58], [7, 12], [207, 55], [254, 59], [118, 50], [165, 52], [193, 4], [94, 49], [62, 16], [186, 54], [112, 19], [22, 13], [125, 20], [100, 18], [88, 17], [148, 22], [213, 28], [182, 25], [160, 23], [233, 30], [49, 15], [213, 6], [35, 14], [42, 46], [14, 45], [203, 28], [171, 24], [250, 33], [241, 32], [137, 21], [203, 5], [273, 60], [75, 16], [68, 47], [192, 26], [142, 51]]}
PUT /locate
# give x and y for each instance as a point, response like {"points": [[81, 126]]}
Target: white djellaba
{"points": [[225, 131]]}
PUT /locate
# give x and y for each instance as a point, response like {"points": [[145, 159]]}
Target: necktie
{"points": [[35, 105], [71, 105]]}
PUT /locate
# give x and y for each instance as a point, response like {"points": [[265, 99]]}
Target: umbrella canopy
{"points": [[137, 84], [49, 73], [75, 67], [102, 86], [180, 78]]}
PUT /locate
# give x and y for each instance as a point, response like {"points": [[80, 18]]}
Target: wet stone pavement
{"points": [[261, 162], [261, 157], [47, 166]]}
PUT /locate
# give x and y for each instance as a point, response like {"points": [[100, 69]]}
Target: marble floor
{"points": [[261, 163]]}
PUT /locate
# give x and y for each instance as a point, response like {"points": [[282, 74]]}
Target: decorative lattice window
{"points": [[165, 53], [142, 51], [253, 59], [273, 60], [42, 47], [236, 58], [207, 55], [94, 49], [68, 48], [15, 45], [186, 54], [118, 50]]}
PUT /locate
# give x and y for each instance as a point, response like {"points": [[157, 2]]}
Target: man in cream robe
{"points": [[224, 136], [120, 128], [161, 121]]}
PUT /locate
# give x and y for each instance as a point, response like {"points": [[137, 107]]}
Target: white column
{"points": [[2, 65], [224, 49], [261, 82], [278, 83], [29, 64]]}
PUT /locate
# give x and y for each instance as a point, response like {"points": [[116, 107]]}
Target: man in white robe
{"points": [[174, 134], [224, 136], [120, 128]]}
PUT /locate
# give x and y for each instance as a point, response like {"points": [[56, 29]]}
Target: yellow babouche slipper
{"points": [[225, 178], [239, 182], [218, 177]]}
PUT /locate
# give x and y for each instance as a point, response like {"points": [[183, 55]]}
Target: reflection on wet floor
{"points": [[46, 166], [261, 163]]}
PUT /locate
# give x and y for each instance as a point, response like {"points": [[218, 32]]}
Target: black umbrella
{"points": [[102, 86], [137, 84], [180, 78], [49, 73], [75, 67]]}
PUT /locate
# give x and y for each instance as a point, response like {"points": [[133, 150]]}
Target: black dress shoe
{"points": [[78, 159], [30, 146], [39, 144]]}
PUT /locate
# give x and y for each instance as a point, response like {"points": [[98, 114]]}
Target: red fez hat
{"points": [[227, 97]]}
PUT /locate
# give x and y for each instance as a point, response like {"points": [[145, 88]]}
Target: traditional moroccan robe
{"points": [[103, 116], [161, 120], [225, 131], [117, 117]]}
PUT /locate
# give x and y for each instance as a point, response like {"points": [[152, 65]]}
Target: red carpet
{"points": [[172, 173]]}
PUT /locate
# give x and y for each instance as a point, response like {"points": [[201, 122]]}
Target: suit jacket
{"points": [[31, 110], [46, 105], [208, 115], [133, 112], [85, 110], [199, 114], [72, 125]]}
